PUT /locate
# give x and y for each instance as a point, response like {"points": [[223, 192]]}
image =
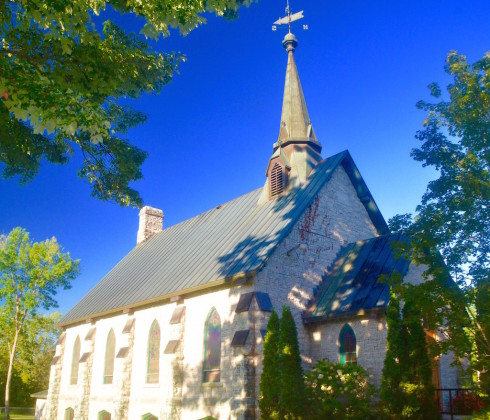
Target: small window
{"points": [[149, 416], [69, 413], [212, 347], [153, 367], [110, 352], [75, 362], [104, 415], [347, 339], [277, 180]]}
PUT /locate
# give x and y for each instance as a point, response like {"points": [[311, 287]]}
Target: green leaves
{"points": [[271, 372], [454, 215], [282, 388], [30, 273], [61, 79]]}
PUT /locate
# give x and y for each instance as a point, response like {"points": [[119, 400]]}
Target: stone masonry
{"points": [[151, 222], [51, 411]]}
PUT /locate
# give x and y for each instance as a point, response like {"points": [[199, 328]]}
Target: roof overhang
{"points": [[235, 280], [339, 316]]}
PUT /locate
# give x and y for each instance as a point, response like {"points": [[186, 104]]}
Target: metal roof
{"points": [[230, 240], [352, 286]]}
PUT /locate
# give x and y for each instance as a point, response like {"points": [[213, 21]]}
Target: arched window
{"points": [[277, 180], [347, 339], [153, 367], [212, 348], [110, 353], [75, 361], [149, 416], [104, 415], [69, 414]]}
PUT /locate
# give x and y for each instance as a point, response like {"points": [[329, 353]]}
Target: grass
{"points": [[19, 417]]}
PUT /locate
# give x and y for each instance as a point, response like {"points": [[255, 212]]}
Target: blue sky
{"points": [[363, 66]]}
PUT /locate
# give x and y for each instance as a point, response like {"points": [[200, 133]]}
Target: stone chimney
{"points": [[151, 222]]}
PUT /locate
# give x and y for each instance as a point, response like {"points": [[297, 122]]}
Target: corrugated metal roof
{"points": [[352, 285], [232, 239]]}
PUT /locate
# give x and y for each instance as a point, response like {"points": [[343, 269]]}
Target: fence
{"points": [[458, 401], [19, 410]]}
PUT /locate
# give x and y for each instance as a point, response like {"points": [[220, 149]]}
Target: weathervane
{"points": [[289, 18]]}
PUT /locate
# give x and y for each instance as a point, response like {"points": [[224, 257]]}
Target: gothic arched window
{"points": [[276, 180], [347, 339], [104, 415], [75, 362], [110, 353], [153, 366], [212, 348], [69, 414]]}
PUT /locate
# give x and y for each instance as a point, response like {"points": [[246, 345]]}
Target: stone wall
{"points": [[335, 218], [370, 334], [51, 408], [180, 393]]}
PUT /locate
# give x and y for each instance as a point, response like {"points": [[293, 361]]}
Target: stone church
{"points": [[175, 330]]}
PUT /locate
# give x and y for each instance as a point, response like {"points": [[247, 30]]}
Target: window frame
{"points": [[69, 413], [75, 362], [211, 374], [153, 377], [351, 355], [109, 367]]}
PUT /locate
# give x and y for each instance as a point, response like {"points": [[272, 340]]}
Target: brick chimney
{"points": [[151, 222]]}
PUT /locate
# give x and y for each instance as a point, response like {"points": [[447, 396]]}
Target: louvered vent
{"points": [[277, 180]]}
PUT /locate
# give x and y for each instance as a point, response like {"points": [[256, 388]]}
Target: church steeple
{"points": [[295, 121], [297, 150]]}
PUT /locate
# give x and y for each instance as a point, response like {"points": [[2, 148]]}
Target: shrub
{"points": [[292, 395], [467, 404], [339, 391], [271, 373], [406, 386]]}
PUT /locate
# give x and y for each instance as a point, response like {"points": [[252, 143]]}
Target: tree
{"points": [[30, 273], [406, 384], [451, 229], [292, 393], [61, 80], [390, 391], [34, 355], [416, 368], [271, 373]]}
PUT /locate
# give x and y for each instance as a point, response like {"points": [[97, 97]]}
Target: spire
{"points": [[297, 150], [295, 121]]}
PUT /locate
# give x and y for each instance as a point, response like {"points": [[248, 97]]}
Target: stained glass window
{"points": [[347, 339], [153, 368], [104, 415], [75, 361], [212, 347], [69, 414], [110, 352]]}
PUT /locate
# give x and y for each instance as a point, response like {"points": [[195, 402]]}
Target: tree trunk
{"points": [[9, 377]]}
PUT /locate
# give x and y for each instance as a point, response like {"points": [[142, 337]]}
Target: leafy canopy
{"points": [[61, 80], [33, 357], [451, 230], [30, 273]]}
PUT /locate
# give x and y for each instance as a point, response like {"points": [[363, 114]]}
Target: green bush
{"points": [[406, 386], [340, 391], [292, 395], [271, 373]]}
